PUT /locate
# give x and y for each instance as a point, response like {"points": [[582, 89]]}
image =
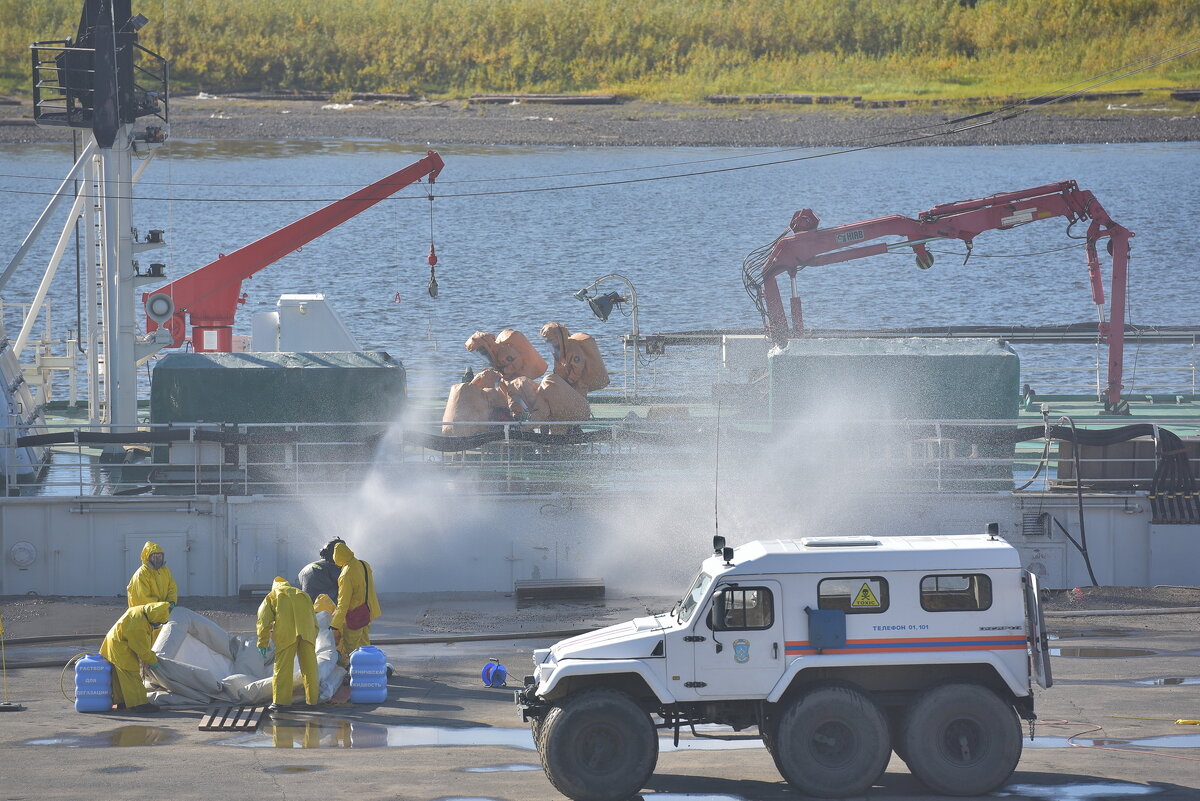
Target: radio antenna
{"points": [[717, 474]]}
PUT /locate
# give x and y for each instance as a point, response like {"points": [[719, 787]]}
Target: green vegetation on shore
{"points": [[655, 49]]}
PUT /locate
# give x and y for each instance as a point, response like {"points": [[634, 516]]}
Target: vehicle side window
{"points": [[743, 608], [854, 596], [961, 592]]}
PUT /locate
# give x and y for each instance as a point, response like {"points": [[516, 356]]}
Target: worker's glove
{"points": [[170, 606], [262, 651], [152, 667]]}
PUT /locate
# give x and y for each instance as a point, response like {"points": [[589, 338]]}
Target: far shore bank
{"points": [[644, 124]]}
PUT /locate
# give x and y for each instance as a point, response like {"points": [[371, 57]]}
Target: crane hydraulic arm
{"points": [[806, 245], [210, 295]]}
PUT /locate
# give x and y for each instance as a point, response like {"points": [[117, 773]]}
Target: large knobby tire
{"points": [[832, 742], [962, 739], [598, 746], [535, 729]]}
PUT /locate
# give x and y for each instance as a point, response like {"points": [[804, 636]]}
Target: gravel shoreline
{"points": [[639, 123]]}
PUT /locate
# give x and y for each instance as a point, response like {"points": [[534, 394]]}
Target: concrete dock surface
{"points": [[1107, 728]]}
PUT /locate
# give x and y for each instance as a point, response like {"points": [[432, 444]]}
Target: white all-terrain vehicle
{"points": [[839, 650]]}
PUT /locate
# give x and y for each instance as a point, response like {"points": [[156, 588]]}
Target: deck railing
{"points": [[627, 455]]}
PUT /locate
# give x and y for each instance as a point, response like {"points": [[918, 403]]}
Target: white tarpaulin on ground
{"points": [[199, 662]]}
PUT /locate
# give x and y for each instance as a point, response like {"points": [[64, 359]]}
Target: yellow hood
{"points": [[342, 555], [158, 612], [149, 548]]}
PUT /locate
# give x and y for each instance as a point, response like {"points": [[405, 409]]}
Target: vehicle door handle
{"points": [[774, 650]]}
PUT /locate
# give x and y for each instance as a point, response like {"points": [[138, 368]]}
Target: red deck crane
{"points": [[210, 295], [806, 245]]}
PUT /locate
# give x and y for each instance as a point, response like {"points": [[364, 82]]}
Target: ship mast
{"points": [[103, 82]]}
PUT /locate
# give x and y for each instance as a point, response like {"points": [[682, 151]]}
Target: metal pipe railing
{"points": [[303, 458]]}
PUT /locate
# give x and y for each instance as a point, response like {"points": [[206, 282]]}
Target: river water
{"points": [[513, 258]]}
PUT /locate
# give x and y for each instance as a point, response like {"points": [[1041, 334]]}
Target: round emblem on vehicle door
{"points": [[741, 651]]}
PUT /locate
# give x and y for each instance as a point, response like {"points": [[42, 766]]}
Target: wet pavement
{"points": [[1107, 731]]}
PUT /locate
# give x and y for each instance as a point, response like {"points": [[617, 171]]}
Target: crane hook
{"points": [[433, 284]]}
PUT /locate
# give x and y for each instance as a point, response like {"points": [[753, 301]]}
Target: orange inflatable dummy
{"points": [[562, 401], [552, 400], [577, 358], [477, 402], [510, 353], [523, 400]]}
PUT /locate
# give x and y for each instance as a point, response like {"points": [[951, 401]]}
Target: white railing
{"points": [[619, 456]]}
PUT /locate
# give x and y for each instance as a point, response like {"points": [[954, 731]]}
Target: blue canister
{"points": [[93, 684], [494, 674], [368, 676]]}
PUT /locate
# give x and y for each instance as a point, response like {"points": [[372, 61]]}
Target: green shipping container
{"points": [[889, 381], [338, 387], [264, 391]]}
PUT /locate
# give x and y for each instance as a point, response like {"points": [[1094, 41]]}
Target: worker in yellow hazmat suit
{"points": [[152, 582], [129, 643], [356, 588], [287, 614]]}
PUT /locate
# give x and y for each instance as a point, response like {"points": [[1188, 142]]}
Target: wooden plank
{"points": [[577, 100]]}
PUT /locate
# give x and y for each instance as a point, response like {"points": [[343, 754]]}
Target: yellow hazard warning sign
{"points": [[865, 597]]}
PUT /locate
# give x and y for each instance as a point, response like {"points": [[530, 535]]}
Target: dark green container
{"points": [[277, 389], [338, 387], [868, 391]]}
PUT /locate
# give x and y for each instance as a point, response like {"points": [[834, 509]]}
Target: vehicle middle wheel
{"points": [[962, 739], [598, 746], [832, 742]]}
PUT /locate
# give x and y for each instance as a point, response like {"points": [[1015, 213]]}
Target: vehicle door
{"points": [[740, 654], [1039, 642]]}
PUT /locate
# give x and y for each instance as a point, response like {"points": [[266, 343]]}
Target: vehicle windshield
{"points": [[687, 605]]}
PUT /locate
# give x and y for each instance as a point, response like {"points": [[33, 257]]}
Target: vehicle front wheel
{"points": [[598, 746], [535, 729], [962, 739], [832, 742]]}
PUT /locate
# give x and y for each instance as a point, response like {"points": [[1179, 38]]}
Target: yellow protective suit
{"points": [[577, 358], [286, 615], [149, 585], [356, 586], [127, 645]]}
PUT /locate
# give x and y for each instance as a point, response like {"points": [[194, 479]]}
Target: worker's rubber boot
{"points": [[147, 708]]}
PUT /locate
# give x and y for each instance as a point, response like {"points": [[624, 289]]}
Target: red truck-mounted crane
{"points": [[210, 295], [806, 245]]}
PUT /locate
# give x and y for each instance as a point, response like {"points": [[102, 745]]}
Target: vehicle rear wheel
{"points": [[832, 742], [895, 718], [598, 746], [962, 739]]}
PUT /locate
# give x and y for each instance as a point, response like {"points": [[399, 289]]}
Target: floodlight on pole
{"points": [[602, 306]]}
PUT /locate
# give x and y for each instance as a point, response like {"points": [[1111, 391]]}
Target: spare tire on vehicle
{"points": [[598, 745]]}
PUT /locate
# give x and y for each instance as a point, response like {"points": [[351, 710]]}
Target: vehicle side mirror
{"points": [[716, 617]]}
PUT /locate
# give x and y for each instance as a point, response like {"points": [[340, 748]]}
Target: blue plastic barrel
{"points": [[368, 676], [93, 684], [494, 674]]}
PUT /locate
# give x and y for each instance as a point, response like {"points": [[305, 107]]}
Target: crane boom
{"points": [[209, 296], [806, 245]]}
